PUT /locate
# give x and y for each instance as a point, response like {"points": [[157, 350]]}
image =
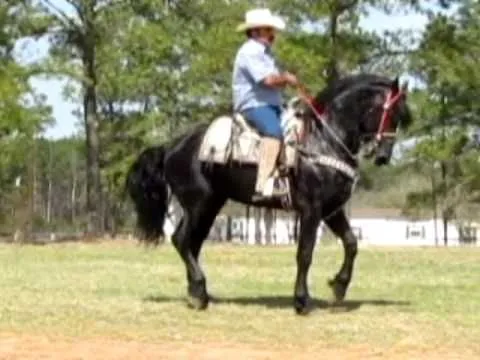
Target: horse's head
{"points": [[369, 109], [387, 112]]}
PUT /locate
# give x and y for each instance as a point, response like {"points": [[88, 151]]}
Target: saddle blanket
{"points": [[232, 138]]}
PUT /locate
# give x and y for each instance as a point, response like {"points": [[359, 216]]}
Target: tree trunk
{"points": [[337, 8], [50, 180], [443, 164], [94, 189], [73, 194], [29, 213], [35, 192], [434, 203], [443, 168], [49, 202], [332, 69]]}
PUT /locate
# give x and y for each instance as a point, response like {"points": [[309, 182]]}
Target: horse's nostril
{"points": [[381, 160]]}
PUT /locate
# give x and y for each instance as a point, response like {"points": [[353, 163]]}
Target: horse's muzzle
{"points": [[383, 151], [381, 160]]}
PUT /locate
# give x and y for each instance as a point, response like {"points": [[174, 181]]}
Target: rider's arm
{"points": [[276, 81], [262, 70]]}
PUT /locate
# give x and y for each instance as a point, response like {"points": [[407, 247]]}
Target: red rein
{"points": [[317, 108]]}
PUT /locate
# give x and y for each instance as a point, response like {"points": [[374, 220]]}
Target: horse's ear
{"points": [[394, 86]]}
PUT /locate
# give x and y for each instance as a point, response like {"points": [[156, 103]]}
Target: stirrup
{"points": [[272, 192], [277, 186]]}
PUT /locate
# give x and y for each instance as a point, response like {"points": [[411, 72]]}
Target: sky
{"points": [[66, 123]]}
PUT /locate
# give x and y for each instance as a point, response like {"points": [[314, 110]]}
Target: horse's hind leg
{"points": [[212, 208], [188, 239], [340, 226], [198, 294]]}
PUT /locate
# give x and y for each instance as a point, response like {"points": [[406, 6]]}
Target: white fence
{"points": [[413, 233], [376, 231], [282, 231]]}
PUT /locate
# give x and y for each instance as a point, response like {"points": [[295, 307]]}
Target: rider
{"points": [[257, 84]]}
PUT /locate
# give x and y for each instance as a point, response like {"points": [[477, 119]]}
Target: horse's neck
{"points": [[333, 138]]}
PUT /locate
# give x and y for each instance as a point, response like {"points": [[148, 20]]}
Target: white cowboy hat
{"points": [[261, 18]]}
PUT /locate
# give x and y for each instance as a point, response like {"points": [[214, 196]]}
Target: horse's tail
{"points": [[147, 187]]}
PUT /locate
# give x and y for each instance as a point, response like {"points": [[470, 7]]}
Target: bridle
{"points": [[392, 97]]}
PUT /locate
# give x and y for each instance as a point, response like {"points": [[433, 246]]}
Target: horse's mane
{"points": [[356, 81], [343, 83]]}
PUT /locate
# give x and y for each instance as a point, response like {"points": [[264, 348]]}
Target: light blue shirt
{"points": [[253, 63]]}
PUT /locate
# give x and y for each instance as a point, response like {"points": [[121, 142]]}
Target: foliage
{"points": [[22, 111], [448, 111], [146, 70]]}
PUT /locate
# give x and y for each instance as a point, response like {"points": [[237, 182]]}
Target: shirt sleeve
{"points": [[258, 65]]}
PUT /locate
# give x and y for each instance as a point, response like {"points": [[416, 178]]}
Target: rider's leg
{"points": [[269, 150], [267, 121]]}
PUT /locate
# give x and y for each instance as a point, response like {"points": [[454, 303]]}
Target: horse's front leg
{"points": [[340, 226], [308, 230]]}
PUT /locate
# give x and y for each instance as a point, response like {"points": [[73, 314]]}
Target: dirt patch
{"points": [[43, 347]]}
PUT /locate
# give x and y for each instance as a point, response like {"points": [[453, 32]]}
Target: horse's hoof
{"points": [[197, 303], [339, 290], [302, 306]]}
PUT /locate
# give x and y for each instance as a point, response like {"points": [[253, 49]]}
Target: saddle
{"points": [[231, 138]]}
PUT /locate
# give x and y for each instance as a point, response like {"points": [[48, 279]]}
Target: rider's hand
{"points": [[290, 79]]}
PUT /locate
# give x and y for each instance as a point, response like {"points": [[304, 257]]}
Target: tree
{"points": [[22, 111], [448, 109], [77, 30]]}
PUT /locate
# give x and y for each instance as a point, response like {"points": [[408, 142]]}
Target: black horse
{"points": [[353, 111]]}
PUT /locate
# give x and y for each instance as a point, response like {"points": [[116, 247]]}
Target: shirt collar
{"points": [[267, 48]]}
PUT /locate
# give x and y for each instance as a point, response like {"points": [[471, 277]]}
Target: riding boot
{"points": [[281, 184], [269, 149]]}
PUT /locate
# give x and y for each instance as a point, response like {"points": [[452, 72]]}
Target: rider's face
{"points": [[267, 34]]}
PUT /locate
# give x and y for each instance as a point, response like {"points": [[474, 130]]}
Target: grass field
{"points": [[122, 301]]}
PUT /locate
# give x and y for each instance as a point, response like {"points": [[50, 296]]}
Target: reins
{"points": [[319, 113]]}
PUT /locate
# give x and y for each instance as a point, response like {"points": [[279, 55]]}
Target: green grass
{"points": [[420, 297]]}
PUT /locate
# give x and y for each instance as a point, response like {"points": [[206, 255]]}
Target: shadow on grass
{"points": [[281, 302]]}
